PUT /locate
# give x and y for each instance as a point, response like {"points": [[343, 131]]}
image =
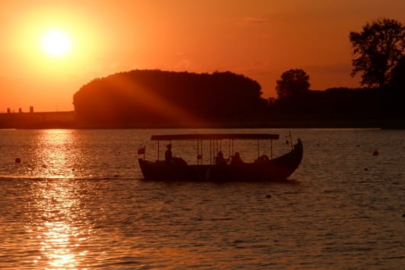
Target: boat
{"points": [[262, 169]]}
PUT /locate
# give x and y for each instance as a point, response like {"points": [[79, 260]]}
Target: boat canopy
{"points": [[216, 136]]}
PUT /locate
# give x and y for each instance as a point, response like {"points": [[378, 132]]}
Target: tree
{"points": [[155, 96], [294, 83], [377, 50], [395, 95], [398, 74]]}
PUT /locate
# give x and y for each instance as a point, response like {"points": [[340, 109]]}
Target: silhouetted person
{"points": [[168, 154], [220, 160], [263, 159], [236, 159]]}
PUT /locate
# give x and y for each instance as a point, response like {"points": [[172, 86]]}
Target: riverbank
{"points": [[280, 122], [69, 120]]}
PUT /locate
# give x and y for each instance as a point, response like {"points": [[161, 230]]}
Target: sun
{"points": [[56, 43]]}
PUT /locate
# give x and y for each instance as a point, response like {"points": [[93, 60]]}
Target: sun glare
{"points": [[56, 43]]}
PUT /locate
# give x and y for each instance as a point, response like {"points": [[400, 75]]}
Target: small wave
{"points": [[35, 178]]}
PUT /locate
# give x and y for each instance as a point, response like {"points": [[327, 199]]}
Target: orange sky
{"points": [[260, 39]]}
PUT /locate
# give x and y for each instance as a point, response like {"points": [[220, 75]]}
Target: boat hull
{"points": [[275, 170]]}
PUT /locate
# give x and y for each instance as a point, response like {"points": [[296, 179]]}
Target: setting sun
{"points": [[56, 43]]}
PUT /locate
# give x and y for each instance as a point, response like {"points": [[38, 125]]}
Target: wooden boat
{"points": [[262, 169]]}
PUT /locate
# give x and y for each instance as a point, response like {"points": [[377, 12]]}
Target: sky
{"points": [[260, 39]]}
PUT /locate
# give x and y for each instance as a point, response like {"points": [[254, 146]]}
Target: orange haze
{"points": [[260, 39]]}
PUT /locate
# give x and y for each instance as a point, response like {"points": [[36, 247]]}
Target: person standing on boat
{"points": [[168, 154]]}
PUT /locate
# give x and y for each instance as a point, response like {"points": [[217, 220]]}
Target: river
{"points": [[77, 201]]}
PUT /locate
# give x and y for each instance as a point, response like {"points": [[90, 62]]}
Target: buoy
{"points": [[375, 153], [18, 160]]}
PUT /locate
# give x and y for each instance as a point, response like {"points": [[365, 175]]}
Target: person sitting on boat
{"points": [[236, 159], [263, 159], [168, 154], [220, 160]]}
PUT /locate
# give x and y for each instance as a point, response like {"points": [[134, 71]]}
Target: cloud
{"points": [[255, 68], [255, 20], [183, 64], [331, 68]]}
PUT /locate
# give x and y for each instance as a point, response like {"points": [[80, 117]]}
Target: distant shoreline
{"points": [[376, 124], [69, 120]]}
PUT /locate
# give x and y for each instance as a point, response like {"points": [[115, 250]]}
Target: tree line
{"points": [[155, 96], [379, 57]]}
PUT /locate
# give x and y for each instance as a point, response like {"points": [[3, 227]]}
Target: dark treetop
{"points": [[155, 96]]}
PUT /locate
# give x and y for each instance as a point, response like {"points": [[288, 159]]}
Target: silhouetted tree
{"points": [[155, 96], [377, 50], [395, 94], [293, 84], [398, 74]]}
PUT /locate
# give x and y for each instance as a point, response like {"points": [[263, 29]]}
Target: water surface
{"points": [[77, 201]]}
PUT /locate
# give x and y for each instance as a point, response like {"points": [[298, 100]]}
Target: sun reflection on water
{"points": [[61, 224], [55, 155], [56, 245]]}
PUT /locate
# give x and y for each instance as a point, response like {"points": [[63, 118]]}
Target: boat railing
{"points": [[216, 143]]}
